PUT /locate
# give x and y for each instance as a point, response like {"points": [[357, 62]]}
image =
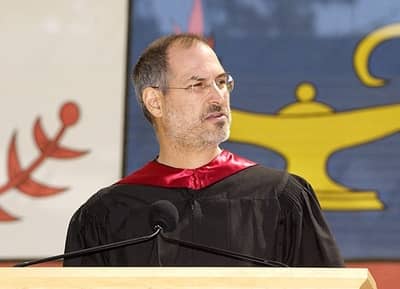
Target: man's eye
{"points": [[198, 85], [221, 82]]}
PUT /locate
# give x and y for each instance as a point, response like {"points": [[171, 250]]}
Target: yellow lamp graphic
{"points": [[306, 133]]}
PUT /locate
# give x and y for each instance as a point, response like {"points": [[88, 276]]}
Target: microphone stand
{"points": [[91, 250], [223, 252]]}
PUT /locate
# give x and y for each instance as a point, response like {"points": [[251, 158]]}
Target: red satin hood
{"points": [[156, 174]]}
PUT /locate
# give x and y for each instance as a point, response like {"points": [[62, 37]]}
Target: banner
{"points": [[316, 93], [63, 67]]}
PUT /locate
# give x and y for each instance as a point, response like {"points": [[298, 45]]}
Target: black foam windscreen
{"points": [[164, 214]]}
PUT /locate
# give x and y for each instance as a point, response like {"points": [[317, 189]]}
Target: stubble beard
{"points": [[197, 135]]}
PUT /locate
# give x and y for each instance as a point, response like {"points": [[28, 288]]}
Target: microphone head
{"points": [[164, 214]]}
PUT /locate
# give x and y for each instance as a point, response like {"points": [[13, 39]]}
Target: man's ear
{"points": [[152, 101]]}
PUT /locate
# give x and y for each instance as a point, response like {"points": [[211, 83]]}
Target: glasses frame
{"points": [[203, 86]]}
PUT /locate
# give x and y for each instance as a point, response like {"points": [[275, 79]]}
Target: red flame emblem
{"points": [[196, 23], [21, 178]]}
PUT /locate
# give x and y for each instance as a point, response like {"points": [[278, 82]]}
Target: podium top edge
{"points": [[190, 271]]}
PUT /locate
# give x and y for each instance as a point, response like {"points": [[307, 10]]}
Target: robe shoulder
{"points": [[256, 182], [119, 201]]}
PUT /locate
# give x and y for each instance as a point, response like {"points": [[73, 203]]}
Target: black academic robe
{"points": [[230, 203]]}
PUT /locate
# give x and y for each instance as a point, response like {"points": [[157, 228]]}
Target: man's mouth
{"points": [[216, 116]]}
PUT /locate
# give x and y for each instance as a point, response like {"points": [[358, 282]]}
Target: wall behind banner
{"points": [[63, 68]]}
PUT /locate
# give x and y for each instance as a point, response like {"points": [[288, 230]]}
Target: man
{"points": [[223, 200]]}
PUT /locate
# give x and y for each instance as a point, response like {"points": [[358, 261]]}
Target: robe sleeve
{"points": [[84, 231], [305, 237]]}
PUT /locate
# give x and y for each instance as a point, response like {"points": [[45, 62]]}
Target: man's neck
{"points": [[187, 158]]}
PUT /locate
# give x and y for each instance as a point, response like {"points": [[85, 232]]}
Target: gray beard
{"points": [[198, 137], [198, 141]]}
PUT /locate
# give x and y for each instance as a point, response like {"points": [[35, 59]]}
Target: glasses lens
{"points": [[230, 83], [224, 81]]}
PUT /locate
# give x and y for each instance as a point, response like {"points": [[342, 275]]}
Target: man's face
{"points": [[195, 117]]}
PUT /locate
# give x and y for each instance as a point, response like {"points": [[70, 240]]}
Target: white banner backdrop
{"points": [[62, 74]]}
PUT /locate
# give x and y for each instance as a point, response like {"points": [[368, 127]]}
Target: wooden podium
{"points": [[185, 277]]}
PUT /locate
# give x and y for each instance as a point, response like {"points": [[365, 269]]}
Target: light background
{"points": [[53, 52]]}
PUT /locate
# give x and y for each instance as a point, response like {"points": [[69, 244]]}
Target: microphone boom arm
{"points": [[218, 251], [93, 249]]}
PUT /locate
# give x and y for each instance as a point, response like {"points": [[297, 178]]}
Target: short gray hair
{"points": [[151, 68]]}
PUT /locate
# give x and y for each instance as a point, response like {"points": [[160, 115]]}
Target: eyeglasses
{"points": [[201, 86]]}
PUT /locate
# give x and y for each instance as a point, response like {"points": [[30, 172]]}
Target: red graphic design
{"points": [[21, 178], [196, 22]]}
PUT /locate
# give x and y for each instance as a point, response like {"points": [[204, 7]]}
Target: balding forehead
{"points": [[197, 60], [187, 42], [186, 46]]}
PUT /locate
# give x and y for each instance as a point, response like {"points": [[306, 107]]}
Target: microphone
{"points": [[163, 216]]}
